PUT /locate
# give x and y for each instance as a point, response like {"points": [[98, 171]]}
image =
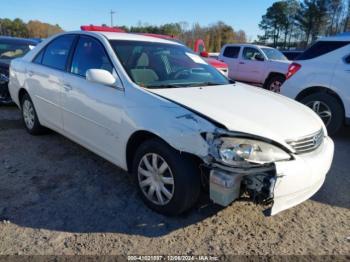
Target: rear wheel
{"points": [[30, 117], [328, 108], [274, 83], [168, 181]]}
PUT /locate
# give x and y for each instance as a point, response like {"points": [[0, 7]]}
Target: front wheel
{"points": [[168, 181], [328, 108]]}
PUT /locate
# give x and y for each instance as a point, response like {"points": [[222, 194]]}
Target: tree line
{"points": [[214, 35], [296, 24], [32, 29]]}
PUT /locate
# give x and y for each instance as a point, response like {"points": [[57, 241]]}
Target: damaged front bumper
{"points": [[278, 186]]}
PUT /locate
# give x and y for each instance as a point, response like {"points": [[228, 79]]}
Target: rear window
{"points": [[322, 48], [232, 51]]}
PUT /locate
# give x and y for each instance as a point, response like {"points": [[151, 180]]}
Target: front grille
{"points": [[308, 143]]}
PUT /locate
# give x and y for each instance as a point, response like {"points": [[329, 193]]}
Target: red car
{"points": [[199, 48]]}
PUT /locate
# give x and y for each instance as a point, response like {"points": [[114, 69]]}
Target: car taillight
{"points": [[292, 69]]}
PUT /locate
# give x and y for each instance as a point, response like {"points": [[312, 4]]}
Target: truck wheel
{"points": [[168, 181], [328, 109], [30, 117], [274, 83]]}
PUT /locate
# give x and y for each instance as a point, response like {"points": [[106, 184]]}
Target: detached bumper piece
{"points": [[225, 187]]}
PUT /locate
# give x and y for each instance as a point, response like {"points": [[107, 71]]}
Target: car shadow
{"points": [[49, 182], [335, 191]]}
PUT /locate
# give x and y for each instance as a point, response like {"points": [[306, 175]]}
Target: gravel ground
{"points": [[58, 198]]}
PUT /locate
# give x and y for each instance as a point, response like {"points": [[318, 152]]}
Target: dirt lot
{"points": [[58, 198]]}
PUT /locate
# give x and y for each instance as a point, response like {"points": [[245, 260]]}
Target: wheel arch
{"points": [[21, 93], [270, 75], [319, 89], [138, 137]]}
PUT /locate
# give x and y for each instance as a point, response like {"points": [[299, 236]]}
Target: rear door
{"points": [[230, 56], [250, 68], [92, 112], [44, 80]]}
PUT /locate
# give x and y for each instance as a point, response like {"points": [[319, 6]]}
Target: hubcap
{"points": [[275, 86], [322, 109], [28, 114], [156, 179]]}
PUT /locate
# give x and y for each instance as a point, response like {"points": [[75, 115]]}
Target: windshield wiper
{"points": [[206, 84], [165, 86]]}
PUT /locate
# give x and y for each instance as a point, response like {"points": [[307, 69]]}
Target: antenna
{"points": [[112, 13]]}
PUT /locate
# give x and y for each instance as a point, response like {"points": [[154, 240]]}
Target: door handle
{"points": [[241, 63], [30, 73]]}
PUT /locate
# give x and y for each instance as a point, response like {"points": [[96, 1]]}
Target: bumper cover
{"points": [[299, 179]]}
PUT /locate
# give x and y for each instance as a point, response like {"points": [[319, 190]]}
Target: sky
{"points": [[70, 14]]}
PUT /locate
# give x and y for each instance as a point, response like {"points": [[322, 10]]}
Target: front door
{"points": [[251, 65], [92, 112]]}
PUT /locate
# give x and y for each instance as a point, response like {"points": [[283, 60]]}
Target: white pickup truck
{"points": [[256, 64]]}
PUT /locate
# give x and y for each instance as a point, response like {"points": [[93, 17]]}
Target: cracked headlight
{"points": [[242, 152]]}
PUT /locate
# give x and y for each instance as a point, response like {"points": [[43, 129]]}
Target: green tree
{"points": [[312, 18], [275, 21]]}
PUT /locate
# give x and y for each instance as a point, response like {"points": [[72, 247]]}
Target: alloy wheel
{"points": [[28, 114], [322, 110], [156, 179]]}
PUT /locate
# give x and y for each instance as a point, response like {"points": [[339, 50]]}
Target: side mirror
{"points": [[204, 54], [259, 58], [100, 76]]}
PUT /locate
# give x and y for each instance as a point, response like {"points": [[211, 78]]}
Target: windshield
{"points": [[273, 54], [158, 65], [11, 50]]}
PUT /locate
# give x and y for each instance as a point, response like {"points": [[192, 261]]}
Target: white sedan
{"points": [[160, 112]]}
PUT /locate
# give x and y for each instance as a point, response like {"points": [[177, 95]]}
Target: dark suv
{"points": [[10, 48]]}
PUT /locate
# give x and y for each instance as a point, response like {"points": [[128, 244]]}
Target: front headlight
{"points": [[244, 152]]}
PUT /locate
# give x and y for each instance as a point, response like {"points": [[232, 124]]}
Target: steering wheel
{"points": [[182, 71]]}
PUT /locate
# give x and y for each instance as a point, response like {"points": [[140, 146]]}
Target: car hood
{"points": [[248, 109]]}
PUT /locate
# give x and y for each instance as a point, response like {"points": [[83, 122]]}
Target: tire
{"points": [[326, 102], [181, 170], [30, 118], [274, 83]]}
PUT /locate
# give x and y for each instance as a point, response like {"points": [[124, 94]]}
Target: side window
{"points": [[56, 52], [89, 54], [250, 53], [322, 48], [347, 59], [232, 51], [39, 57]]}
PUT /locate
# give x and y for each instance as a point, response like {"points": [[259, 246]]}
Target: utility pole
{"points": [[112, 13]]}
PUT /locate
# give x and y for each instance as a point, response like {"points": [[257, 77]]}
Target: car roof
{"points": [[249, 45], [18, 40], [340, 37], [128, 37]]}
